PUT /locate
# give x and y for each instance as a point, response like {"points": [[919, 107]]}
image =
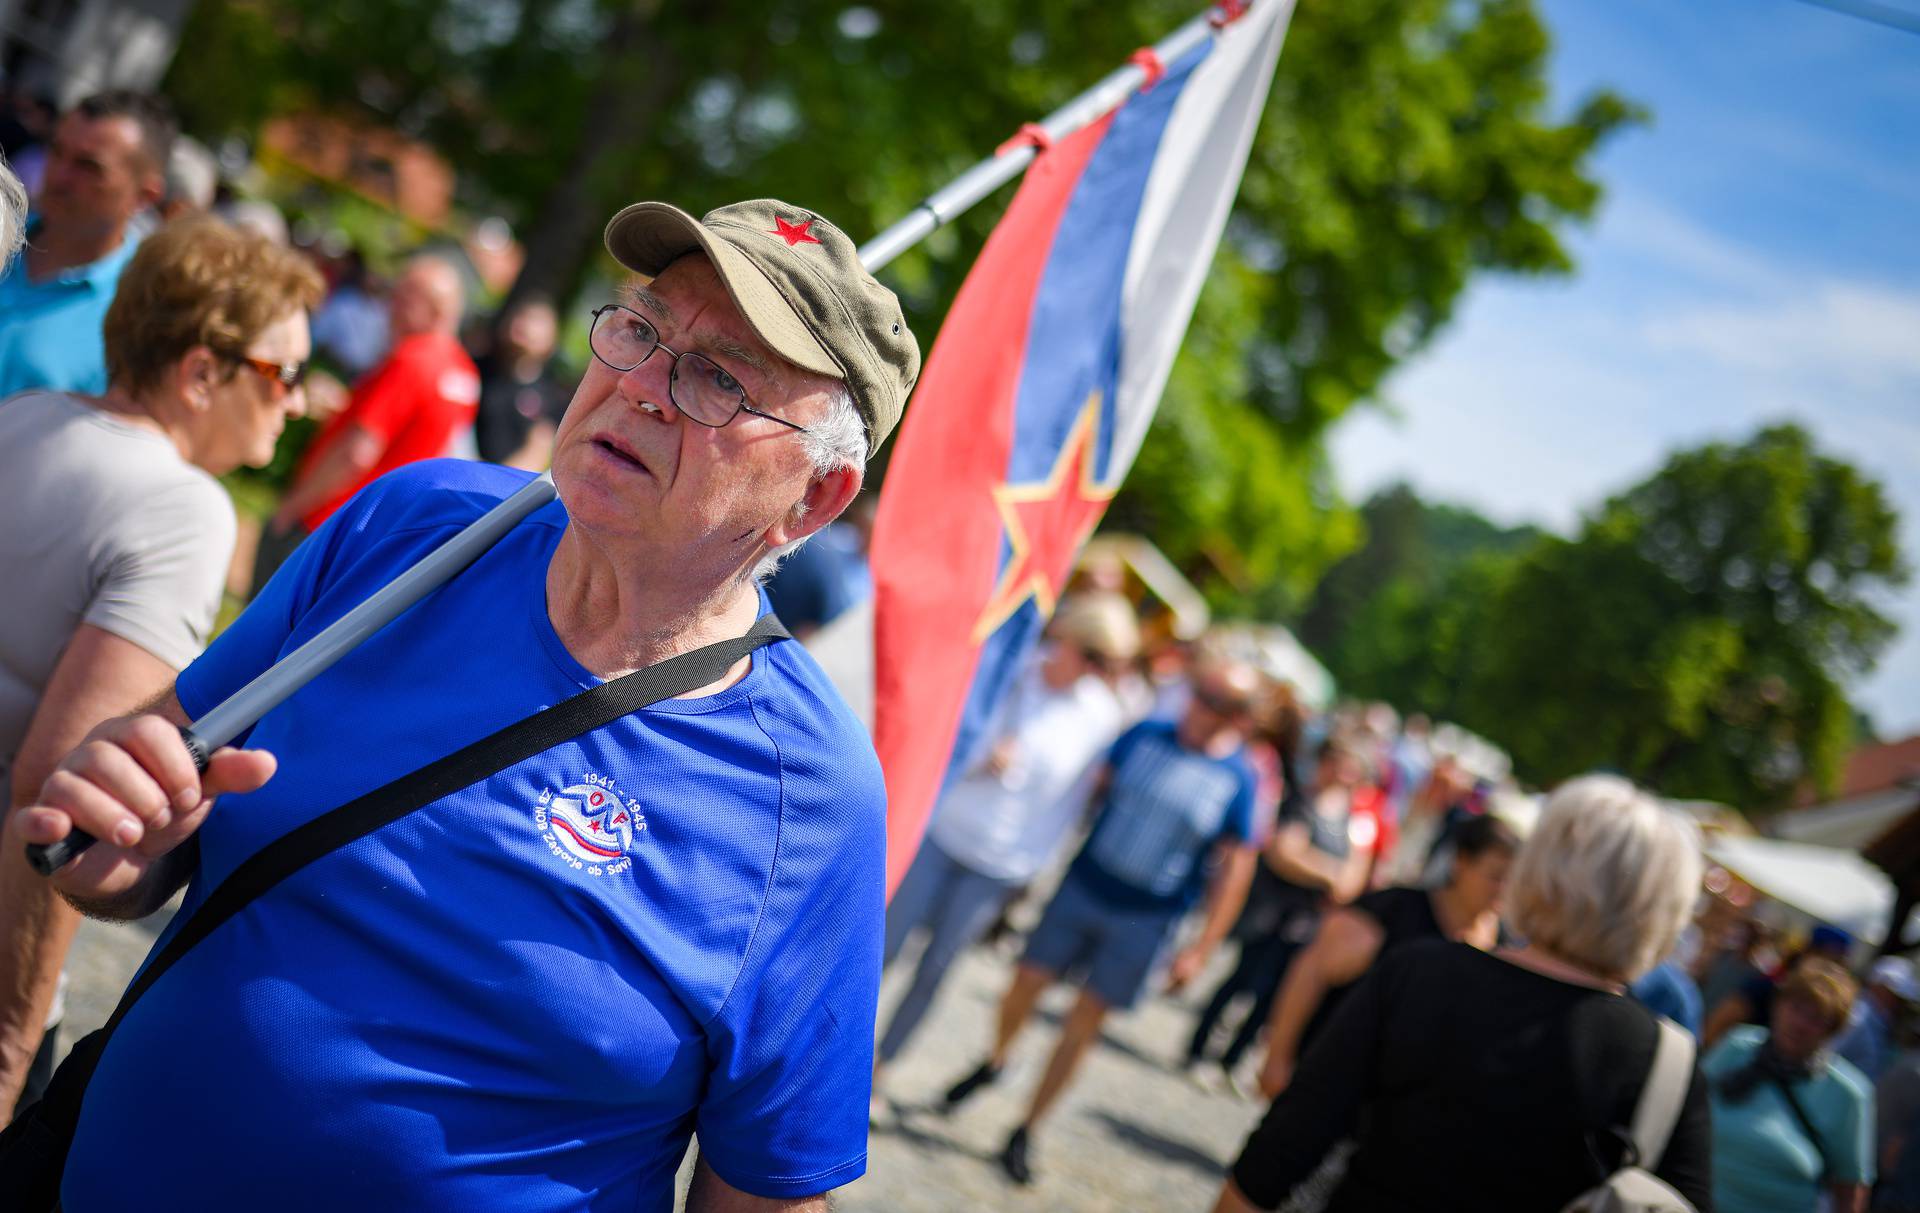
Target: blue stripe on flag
{"points": [[1073, 340], [1073, 348]]}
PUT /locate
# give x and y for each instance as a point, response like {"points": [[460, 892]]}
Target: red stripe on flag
{"points": [[938, 534]]}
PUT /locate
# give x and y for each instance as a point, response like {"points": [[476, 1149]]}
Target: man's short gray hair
{"points": [[838, 440], [192, 175], [13, 214], [1607, 879]]}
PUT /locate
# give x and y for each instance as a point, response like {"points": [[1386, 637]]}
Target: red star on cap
{"points": [[1046, 524], [794, 233]]}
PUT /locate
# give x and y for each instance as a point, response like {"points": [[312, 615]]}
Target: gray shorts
{"points": [[1109, 950]]}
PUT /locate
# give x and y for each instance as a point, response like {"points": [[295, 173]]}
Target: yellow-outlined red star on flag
{"points": [[1046, 523]]}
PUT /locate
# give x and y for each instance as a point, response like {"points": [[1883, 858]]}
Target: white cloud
{"points": [[1634, 222], [1542, 400], [1861, 335]]}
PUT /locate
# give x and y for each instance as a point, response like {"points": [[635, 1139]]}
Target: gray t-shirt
{"points": [[102, 522]]}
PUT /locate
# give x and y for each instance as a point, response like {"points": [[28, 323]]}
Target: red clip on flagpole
{"points": [[1227, 13], [1148, 60], [1030, 134]]}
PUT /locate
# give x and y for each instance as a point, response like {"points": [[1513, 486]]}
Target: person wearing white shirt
{"points": [[1003, 821]]}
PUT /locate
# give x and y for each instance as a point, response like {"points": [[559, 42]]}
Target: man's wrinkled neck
{"points": [[617, 611]]}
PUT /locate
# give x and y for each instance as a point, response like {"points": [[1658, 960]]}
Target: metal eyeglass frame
{"points": [[744, 406]]}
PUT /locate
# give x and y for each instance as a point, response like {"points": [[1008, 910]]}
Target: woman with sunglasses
{"points": [[116, 538]]}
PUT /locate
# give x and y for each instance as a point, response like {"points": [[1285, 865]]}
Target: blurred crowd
{"points": [[1454, 995], [157, 332]]}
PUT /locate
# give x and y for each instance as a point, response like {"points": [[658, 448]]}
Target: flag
{"points": [[1037, 395]]}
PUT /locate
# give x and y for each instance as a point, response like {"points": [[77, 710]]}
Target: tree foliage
{"points": [[1407, 145], [1698, 633], [1701, 630], [1397, 618]]}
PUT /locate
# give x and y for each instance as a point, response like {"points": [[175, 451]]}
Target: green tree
{"points": [[1407, 145], [1416, 643], [1700, 631], [1383, 617]]}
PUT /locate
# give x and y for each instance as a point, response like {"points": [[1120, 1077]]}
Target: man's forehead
{"points": [[108, 132], [689, 292]]}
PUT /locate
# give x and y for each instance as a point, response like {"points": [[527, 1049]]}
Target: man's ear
{"points": [[826, 497], [153, 187]]}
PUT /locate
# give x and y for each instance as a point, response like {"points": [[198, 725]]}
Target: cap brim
{"points": [[647, 237]]}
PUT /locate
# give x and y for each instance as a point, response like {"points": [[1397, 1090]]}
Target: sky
{"points": [[1757, 259]]}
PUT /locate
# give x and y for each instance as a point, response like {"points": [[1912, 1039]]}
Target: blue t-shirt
{"points": [[1166, 807], [527, 995], [1666, 990], [824, 578], [50, 330], [1763, 1161], [1867, 1041]]}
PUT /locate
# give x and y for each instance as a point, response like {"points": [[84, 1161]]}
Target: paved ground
{"points": [[1132, 1136]]}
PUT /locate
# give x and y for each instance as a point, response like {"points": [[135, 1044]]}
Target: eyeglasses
{"points": [[288, 375], [703, 392]]}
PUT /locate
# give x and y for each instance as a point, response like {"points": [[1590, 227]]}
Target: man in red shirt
{"points": [[406, 409]]}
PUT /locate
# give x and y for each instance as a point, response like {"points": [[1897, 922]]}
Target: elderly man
{"points": [[459, 1010], [105, 166], [406, 409]]}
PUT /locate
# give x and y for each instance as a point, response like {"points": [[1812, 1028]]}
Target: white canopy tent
{"points": [[1824, 883]]}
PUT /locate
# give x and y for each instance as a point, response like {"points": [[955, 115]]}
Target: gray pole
{"points": [[239, 711], [247, 705]]}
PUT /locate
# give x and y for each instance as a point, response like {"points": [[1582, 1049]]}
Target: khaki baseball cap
{"points": [[797, 279]]}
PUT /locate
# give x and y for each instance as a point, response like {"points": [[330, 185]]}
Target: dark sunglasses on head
{"points": [[288, 375]]}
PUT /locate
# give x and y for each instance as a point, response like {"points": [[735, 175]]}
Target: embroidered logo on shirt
{"points": [[590, 825]]}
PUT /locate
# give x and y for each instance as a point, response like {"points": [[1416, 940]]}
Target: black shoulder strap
{"points": [[1806, 1126], [516, 743]]}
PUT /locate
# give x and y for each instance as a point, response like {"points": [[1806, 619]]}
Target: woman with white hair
{"points": [[1507, 1080]]}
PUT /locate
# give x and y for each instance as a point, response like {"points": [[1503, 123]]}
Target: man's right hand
{"points": [[132, 785]]}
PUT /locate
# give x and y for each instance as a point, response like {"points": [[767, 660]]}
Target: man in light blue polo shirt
{"points": [[105, 166]]}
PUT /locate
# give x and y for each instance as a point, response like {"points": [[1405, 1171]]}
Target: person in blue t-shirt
{"points": [[1669, 991], [829, 576], [107, 164], [1175, 819], [529, 994]]}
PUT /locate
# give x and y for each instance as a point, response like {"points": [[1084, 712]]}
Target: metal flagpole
{"points": [[247, 705], [943, 206], [244, 707]]}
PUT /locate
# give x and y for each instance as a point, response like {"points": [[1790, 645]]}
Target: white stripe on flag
{"points": [[1190, 189]]}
